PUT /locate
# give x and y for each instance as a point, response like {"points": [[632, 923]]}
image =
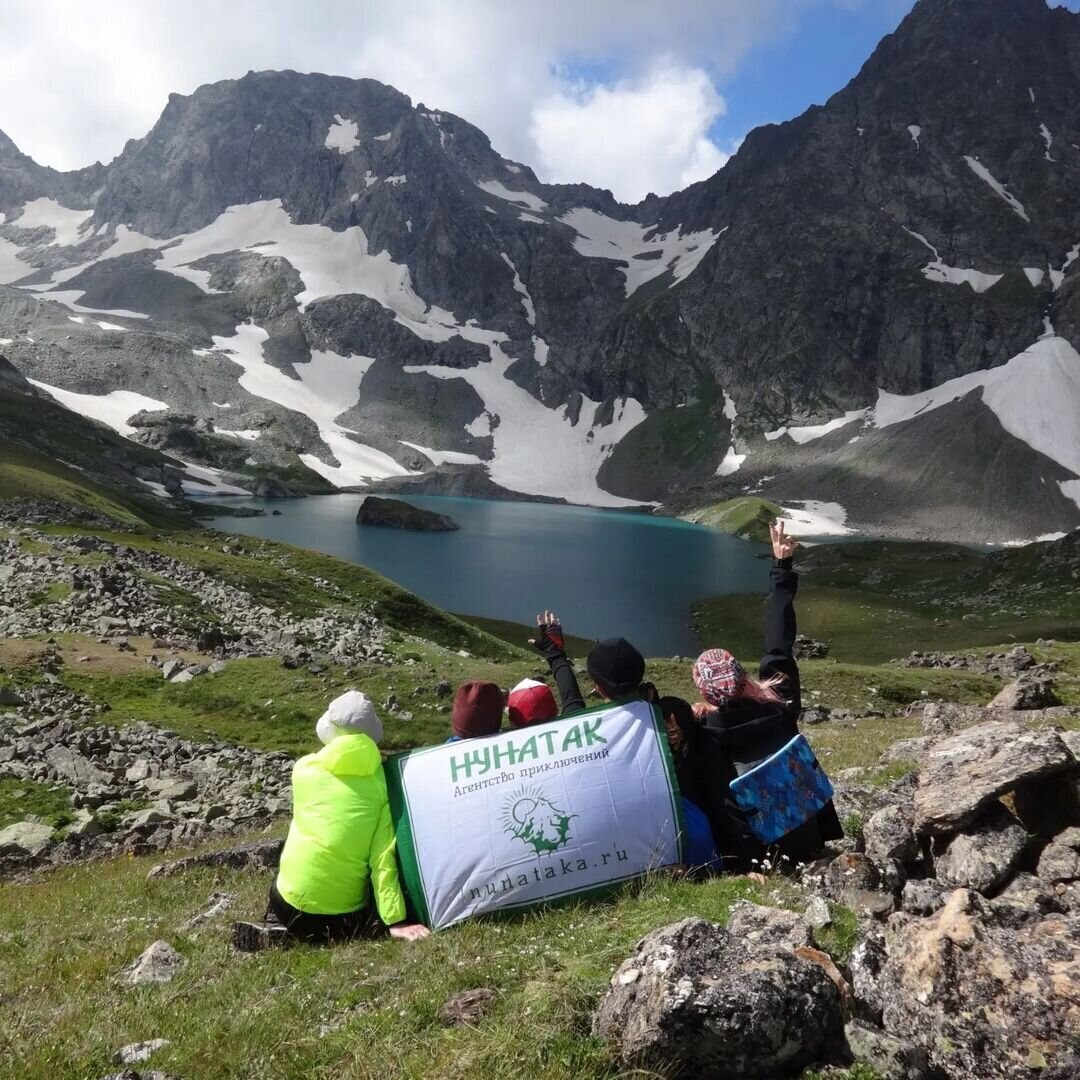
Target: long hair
{"points": [[763, 690]]}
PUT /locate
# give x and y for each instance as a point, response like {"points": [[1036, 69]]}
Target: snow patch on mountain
{"points": [[444, 457], [811, 432], [983, 173], [206, 481], [1048, 138], [809, 517], [1070, 489], [1034, 275], [49, 214], [11, 266], [113, 409], [527, 431], [1036, 396], [327, 386], [939, 270], [731, 463], [520, 288], [915, 131], [501, 191], [397, 181], [343, 135], [646, 253]]}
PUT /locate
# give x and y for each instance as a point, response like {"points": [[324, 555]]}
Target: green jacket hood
{"points": [[350, 755]]}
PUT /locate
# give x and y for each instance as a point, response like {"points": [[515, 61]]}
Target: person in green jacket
{"points": [[340, 845]]}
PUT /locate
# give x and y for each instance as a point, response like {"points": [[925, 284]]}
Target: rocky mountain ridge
{"points": [[872, 306]]}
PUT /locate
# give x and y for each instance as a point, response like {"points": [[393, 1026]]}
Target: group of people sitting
{"points": [[338, 875]]}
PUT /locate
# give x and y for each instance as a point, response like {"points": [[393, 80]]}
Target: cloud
{"points": [[635, 136], [78, 79]]}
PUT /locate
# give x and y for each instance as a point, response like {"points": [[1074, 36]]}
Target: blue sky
{"points": [[633, 95], [783, 78]]}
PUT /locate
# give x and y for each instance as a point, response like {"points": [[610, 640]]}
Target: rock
{"points": [[135, 1053], [84, 825], [817, 913], [160, 963], [1027, 897], [983, 857], [71, 766], [864, 968], [889, 834], [759, 925], [1060, 861], [139, 771], [172, 789], [1026, 693], [906, 750], [172, 667], [218, 666], [983, 997], [961, 774], [9, 699], [397, 514], [815, 714], [25, 838], [922, 896], [218, 904], [698, 1002], [806, 648], [258, 855], [467, 1008], [853, 880], [443, 688], [889, 1057], [184, 676]]}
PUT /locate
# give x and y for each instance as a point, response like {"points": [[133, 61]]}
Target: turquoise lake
{"points": [[605, 573]]}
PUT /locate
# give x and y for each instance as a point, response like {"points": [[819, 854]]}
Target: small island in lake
{"points": [[397, 514]]}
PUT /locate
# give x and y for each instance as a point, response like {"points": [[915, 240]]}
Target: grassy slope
{"points": [[875, 601], [748, 517], [65, 937]]}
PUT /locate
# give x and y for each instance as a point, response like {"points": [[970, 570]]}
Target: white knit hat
{"points": [[350, 714]]}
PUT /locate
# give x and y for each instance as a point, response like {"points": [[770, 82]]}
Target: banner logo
{"points": [[531, 817]]}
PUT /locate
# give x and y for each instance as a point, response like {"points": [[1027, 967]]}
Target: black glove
{"points": [[549, 641]]}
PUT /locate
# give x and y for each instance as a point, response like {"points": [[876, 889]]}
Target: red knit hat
{"points": [[719, 676], [478, 709], [531, 702]]}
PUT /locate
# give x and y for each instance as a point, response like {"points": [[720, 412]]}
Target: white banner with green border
{"points": [[533, 815]]}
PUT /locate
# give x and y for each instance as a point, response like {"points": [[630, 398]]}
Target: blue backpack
{"points": [[783, 792]]}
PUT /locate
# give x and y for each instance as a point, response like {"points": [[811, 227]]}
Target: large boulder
{"points": [[696, 1001], [1026, 693], [889, 834], [962, 774], [983, 857], [25, 838], [890, 1058], [986, 998], [1060, 861], [756, 924]]}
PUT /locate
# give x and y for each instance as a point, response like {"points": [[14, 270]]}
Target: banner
{"points": [[532, 815]]}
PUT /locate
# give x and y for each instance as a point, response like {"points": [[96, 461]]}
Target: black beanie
{"points": [[616, 667]]}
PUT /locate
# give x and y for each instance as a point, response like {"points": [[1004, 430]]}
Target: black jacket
{"points": [[735, 738]]}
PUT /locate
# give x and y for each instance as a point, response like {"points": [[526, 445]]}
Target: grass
{"points": [[748, 517], [364, 1009], [875, 601], [23, 799], [518, 634]]}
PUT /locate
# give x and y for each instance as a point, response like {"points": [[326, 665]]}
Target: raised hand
{"points": [[409, 932], [783, 546], [549, 633]]}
